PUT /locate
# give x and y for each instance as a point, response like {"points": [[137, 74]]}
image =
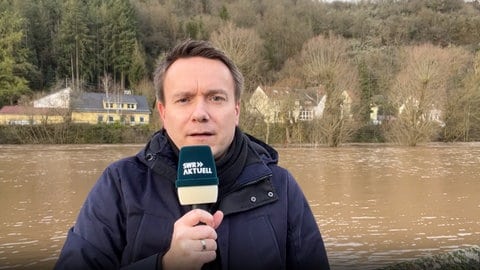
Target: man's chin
{"points": [[200, 140]]}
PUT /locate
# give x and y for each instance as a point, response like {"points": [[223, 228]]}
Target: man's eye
{"points": [[182, 100], [218, 98]]}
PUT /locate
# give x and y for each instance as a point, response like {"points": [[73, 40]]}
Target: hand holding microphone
{"points": [[194, 237]]}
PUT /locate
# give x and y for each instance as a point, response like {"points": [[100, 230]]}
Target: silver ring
{"points": [[204, 245]]}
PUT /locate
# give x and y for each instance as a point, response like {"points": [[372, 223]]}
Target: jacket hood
{"points": [[157, 144], [267, 153], [158, 154]]}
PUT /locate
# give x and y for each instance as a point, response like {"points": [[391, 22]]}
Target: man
{"points": [[132, 217]]}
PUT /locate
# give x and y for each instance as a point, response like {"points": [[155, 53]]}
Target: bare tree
{"points": [[244, 46], [419, 94], [462, 112], [284, 30], [325, 63]]}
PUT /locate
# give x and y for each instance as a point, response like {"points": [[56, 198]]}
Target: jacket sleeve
{"points": [[305, 247], [98, 237]]}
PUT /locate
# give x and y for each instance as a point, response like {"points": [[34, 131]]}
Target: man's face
{"points": [[199, 106]]}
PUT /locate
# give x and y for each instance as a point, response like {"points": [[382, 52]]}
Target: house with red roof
{"points": [[25, 115]]}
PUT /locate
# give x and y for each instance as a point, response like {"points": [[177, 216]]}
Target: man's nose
{"points": [[200, 112]]}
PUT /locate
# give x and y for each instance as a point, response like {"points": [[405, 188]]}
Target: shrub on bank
{"points": [[468, 258], [369, 134], [75, 134]]}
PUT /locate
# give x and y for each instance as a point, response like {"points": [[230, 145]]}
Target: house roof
{"points": [[311, 95], [94, 101]]}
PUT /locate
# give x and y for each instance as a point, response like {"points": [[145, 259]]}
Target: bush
{"points": [[468, 258], [75, 134], [369, 134]]}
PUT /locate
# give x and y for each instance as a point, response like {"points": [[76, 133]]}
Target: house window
{"points": [[132, 119], [276, 117], [141, 119], [100, 119], [110, 119], [305, 115]]}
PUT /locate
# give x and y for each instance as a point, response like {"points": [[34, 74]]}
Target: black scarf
{"points": [[231, 164]]}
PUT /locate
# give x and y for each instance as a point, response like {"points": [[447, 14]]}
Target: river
{"points": [[375, 204]]}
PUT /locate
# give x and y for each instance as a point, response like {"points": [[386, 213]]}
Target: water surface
{"points": [[375, 204]]}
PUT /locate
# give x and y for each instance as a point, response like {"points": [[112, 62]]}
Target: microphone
{"points": [[197, 181]]}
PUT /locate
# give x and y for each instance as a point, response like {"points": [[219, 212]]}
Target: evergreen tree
{"points": [[12, 59], [75, 42], [137, 70], [121, 37], [41, 23]]}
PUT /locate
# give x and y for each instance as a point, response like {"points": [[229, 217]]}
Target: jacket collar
{"points": [[253, 187]]}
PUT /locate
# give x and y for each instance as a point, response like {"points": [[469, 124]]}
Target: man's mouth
{"points": [[201, 134]]}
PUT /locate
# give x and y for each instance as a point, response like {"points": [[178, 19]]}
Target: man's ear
{"points": [[237, 113], [161, 110]]}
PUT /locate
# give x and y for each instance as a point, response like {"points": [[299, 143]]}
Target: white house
{"points": [[433, 115], [280, 104]]}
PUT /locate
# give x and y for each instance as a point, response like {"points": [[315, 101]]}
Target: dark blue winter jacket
{"points": [[127, 219]]}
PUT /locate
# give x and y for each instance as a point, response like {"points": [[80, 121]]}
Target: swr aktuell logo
{"points": [[190, 168]]}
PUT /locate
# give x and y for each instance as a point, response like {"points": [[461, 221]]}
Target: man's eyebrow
{"points": [[217, 91], [182, 94]]}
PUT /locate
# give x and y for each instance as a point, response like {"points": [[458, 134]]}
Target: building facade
{"points": [[79, 107]]}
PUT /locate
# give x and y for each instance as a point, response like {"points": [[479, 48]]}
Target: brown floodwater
{"points": [[375, 204]]}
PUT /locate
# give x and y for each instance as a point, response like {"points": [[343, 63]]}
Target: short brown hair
{"points": [[192, 48]]}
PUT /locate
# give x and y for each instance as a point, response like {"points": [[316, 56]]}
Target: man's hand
{"points": [[192, 244]]}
